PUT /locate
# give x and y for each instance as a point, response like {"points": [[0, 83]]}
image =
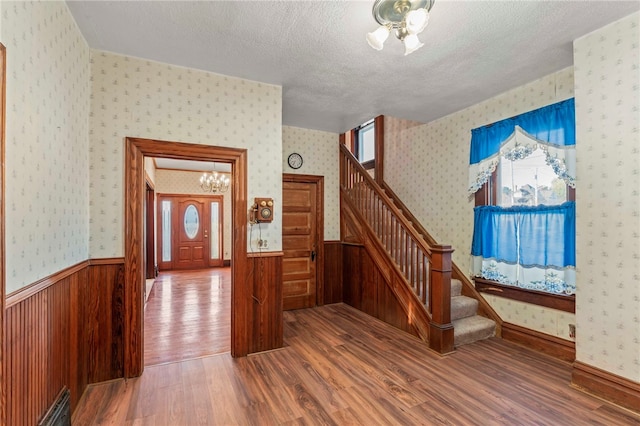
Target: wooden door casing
{"points": [[242, 305], [150, 226], [302, 244]]}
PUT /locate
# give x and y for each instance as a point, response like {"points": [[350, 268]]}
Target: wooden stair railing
{"points": [[468, 289], [425, 268]]}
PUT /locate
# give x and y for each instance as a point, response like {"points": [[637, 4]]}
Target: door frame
{"points": [[3, 72], [150, 225], [134, 191], [319, 181]]}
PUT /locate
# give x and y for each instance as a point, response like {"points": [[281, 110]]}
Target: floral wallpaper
{"points": [[608, 202], [320, 153], [186, 182], [136, 97], [47, 99], [428, 165]]}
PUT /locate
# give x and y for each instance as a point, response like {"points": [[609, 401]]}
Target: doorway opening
{"points": [[188, 307], [135, 151]]}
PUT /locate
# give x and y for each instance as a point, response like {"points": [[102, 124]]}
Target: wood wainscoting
{"points": [[64, 330], [365, 288], [264, 281], [332, 285]]}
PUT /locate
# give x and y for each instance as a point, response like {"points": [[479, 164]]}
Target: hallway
{"points": [[188, 316]]}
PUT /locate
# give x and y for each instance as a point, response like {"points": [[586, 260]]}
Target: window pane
{"points": [[529, 182], [166, 231], [215, 237], [366, 143], [191, 221]]}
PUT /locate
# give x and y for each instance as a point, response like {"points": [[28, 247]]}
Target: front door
{"points": [[190, 232], [192, 248], [299, 244]]}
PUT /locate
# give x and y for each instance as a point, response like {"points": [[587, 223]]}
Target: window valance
{"points": [[551, 128]]}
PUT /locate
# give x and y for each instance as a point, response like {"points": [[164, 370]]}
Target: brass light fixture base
{"points": [[392, 12]]}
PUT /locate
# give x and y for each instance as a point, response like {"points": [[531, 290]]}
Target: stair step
{"points": [[456, 287], [462, 307], [471, 329]]}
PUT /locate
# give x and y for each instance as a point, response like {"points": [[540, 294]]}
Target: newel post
{"points": [[440, 328]]}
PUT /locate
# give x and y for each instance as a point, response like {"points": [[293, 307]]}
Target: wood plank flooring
{"points": [[188, 315], [340, 366]]}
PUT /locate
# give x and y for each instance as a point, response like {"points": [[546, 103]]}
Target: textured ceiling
{"points": [[331, 79]]}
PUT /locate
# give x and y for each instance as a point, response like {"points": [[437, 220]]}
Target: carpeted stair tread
{"points": [[463, 306], [471, 329]]}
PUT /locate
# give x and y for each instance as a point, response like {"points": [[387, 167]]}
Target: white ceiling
{"points": [[331, 79]]}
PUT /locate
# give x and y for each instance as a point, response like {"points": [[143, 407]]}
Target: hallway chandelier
{"points": [[407, 17], [214, 182]]}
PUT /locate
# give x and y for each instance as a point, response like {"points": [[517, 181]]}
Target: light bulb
{"points": [[377, 38], [411, 44], [417, 21]]}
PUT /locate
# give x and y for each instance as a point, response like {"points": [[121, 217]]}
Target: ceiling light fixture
{"points": [[214, 181], [407, 17]]}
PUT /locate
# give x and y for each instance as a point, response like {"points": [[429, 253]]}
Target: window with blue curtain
{"points": [[527, 246]]}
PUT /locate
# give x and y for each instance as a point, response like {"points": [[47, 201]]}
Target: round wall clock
{"points": [[295, 160]]}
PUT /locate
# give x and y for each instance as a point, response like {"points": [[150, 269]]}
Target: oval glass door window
{"points": [[191, 221]]}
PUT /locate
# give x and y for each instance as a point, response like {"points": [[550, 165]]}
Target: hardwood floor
{"points": [[341, 366], [188, 315]]}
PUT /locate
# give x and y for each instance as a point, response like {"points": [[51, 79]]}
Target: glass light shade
{"points": [[377, 38], [417, 21], [411, 44]]}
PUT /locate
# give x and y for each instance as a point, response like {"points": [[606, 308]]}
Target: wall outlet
{"points": [[572, 331]]}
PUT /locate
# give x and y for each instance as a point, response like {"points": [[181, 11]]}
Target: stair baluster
{"points": [[425, 269]]}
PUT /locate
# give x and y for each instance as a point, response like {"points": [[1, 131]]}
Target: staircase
{"points": [[443, 309], [468, 326]]}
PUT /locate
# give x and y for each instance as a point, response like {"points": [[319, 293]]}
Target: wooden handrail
{"points": [[426, 268]]}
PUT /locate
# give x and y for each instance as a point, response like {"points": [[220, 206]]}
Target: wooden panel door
{"points": [[299, 245], [192, 246], [195, 243]]}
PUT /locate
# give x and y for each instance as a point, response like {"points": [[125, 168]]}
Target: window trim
{"points": [[488, 195], [356, 142]]}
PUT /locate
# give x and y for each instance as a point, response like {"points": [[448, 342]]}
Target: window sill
{"points": [[553, 301]]}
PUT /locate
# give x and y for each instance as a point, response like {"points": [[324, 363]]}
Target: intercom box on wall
{"points": [[262, 210]]}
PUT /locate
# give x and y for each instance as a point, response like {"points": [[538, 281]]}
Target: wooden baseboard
{"points": [[226, 262], [603, 384], [564, 350]]}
